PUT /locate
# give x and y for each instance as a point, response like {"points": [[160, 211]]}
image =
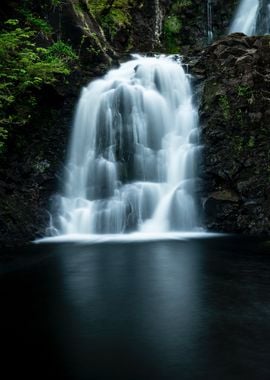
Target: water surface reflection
{"points": [[193, 309]]}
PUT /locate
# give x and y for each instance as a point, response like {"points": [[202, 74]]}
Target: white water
{"points": [[246, 17], [136, 237], [210, 34], [132, 164]]}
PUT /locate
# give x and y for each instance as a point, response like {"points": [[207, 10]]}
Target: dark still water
{"points": [[195, 309]]}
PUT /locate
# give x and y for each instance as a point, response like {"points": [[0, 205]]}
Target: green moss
{"points": [[172, 27], [225, 106], [56, 3], [242, 144], [251, 142], [238, 145], [172, 24], [96, 6], [112, 17], [244, 91], [179, 5]]}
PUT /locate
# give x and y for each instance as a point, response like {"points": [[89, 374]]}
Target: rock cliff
{"points": [[235, 114]]}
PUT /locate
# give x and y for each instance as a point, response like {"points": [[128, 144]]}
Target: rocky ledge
{"points": [[235, 120]]}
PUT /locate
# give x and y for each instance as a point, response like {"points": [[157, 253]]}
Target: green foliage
{"points": [[115, 20], [40, 165], [244, 91], [241, 143], [178, 5], [36, 22], [97, 6], [25, 67], [61, 51], [113, 16], [56, 3], [238, 145], [172, 27], [172, 24], [251, 142]]}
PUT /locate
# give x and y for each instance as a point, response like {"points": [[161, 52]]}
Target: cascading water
{"points": [[246, 16], [252, 17], [132, 164], [209, 21]]}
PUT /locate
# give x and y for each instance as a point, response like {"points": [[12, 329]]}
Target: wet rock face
{"points": [[222, 14], [235, 115], [263, 21]]}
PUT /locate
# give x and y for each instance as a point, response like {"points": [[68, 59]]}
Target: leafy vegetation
{"points": [[251, 142], [243, 91], [178, 5], [36, 22], [173, 25], [113, 15], [25, 68], [56, 3]]}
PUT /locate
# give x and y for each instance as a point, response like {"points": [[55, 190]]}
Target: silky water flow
{"points": [[252, 18], [133, 156]]}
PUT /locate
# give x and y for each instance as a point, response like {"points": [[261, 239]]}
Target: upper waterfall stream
{"points": [[132, 161], [252, 17], [209, 22]]}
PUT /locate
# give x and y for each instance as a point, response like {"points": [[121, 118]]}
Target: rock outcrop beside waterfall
{"points": [[235, 115]]}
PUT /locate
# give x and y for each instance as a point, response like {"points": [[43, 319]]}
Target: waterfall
{"points": [[252, 17], [132, 161], [209, 21], [246, 16]]}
